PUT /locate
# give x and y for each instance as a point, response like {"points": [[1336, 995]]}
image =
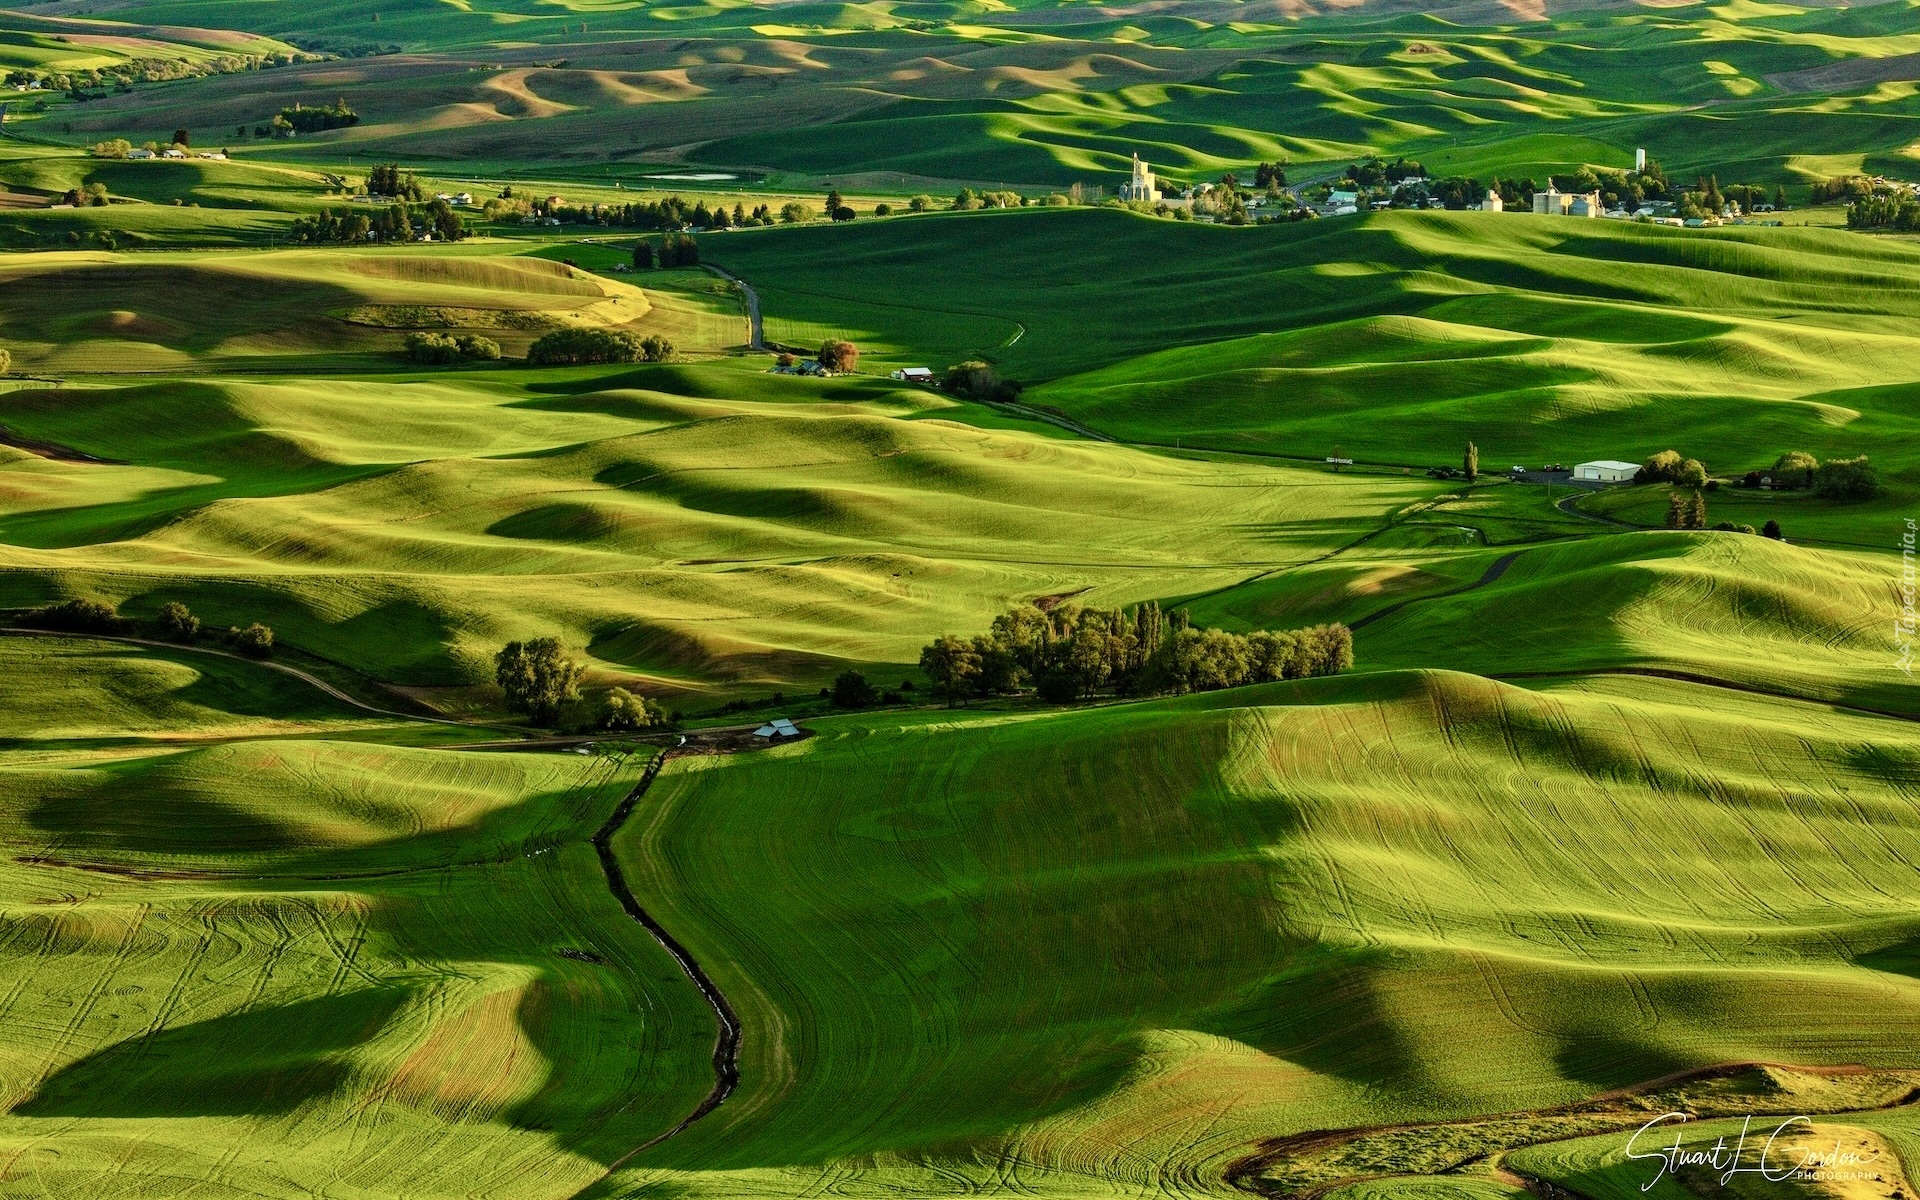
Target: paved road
{"points": [[756, 339]]}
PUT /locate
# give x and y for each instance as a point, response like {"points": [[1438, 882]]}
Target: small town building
{"points": [[1493, 203], [173, 153], [1606, 470], [1585, 206], [140, 154]]}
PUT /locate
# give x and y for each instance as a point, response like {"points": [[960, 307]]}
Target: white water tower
{"points": [[1639, 162]]}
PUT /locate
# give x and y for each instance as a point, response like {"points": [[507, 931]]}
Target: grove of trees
{"points": [[1070, 653], [439, 349], [575, 347], [839, 355], [388, 179], [301, 119]]}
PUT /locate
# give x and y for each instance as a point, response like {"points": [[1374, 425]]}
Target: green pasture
{"points": [[1398, 338], [1115, 946], [257, 953], [700, 525], [943, 94]]}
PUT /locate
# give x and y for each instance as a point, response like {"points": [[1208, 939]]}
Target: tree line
{"points": [[579, 347], [399, 222], [301, 119], [672, 214], [1069, 653]]}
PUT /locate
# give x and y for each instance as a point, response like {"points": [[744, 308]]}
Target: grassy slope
{"points": [[1400, 337], [408, 526], [67, 689], [1113, 946], [949, 92], [314, 309], [388, 959]]}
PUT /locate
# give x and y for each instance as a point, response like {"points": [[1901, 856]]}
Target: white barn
{"points": [[1606, 470]]}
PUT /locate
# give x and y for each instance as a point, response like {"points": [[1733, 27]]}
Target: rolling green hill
{"points": [[1604, 820], [1115, 947], [1399, 337]]}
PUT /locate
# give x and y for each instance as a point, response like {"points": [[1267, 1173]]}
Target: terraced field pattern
{"points": [[1603, 851]]}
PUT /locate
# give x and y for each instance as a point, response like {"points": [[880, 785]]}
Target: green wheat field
{"points": [[1603, 848]]}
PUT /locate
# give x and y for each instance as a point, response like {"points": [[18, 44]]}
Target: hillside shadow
{"points": [[263, 1061]]}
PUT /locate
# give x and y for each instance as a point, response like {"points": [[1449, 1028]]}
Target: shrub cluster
{"points": [[1070, 653], [175, 622], [1668, 467], [573, 347], [439, 349], [1835, 479], [977, 380], [625, 711]]}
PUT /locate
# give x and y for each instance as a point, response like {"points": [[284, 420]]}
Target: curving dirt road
{"points": [[756, 338]]}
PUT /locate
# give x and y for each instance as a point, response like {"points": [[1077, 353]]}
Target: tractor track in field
{"points": [[1707, 681], [726, 1042]]}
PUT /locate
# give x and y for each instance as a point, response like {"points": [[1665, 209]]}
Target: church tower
{"points": [[1141, 186]]}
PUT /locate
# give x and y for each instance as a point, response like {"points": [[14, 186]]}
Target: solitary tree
{"points": [[1772, 529], [537, 677], [1470, 462], [851, 690]]}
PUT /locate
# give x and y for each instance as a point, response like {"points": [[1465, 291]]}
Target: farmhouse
{"points": [[140, 154], [778, 727], [915, 374], [1606, 470]]}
